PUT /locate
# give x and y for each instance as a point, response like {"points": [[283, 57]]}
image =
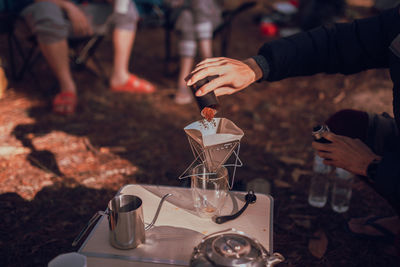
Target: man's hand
{"points": [[345, 152], [234, 75], [79, 21]]}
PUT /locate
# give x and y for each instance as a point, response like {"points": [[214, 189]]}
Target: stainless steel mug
{"points": [[125, 219], [126, 223]]}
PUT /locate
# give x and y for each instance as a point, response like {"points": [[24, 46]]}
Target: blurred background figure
{"points": [[3, 79], [54, 22], [314, 13], [285, 18], [195, 25], [385, 4], [7, 9]]}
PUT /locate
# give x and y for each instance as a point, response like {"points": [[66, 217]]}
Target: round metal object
{"points": [[232, 248]]}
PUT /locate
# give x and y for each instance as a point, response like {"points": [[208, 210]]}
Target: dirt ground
{"points": [[55, 172]]}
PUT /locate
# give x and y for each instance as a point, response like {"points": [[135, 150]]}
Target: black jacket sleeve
{"points": [[387, 179], [339, 48]]}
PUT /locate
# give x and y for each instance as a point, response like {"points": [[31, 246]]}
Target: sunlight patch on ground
{"points": [[59, 157]]}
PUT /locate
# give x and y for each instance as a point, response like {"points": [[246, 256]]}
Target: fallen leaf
{"points": [[7, 151], [89, 180], [289, 160], [296, 173], [113, 149], [235, 108], [318, 245], [259, 126], [281, 184], [268, 146], [285, 125], [259, 185], [339, 97], [302, 216], [303, 223]]}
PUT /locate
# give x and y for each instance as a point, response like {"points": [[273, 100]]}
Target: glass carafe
{"points": [[209, 190]]}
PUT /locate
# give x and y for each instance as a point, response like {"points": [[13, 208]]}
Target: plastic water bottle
{"points": [[319, 185], [341, 190]]}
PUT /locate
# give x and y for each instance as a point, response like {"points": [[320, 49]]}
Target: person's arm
{"points": [[341, 48], [386, 178], [234, 75], [383, 172], [345, 152]]}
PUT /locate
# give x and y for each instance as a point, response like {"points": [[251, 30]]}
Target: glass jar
{"points": [[209, 190]]}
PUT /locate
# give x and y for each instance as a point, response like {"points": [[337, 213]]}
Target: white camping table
{"points": [[178, 229]]}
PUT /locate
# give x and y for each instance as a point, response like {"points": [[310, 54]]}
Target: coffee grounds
{"points": [[208, 113]]}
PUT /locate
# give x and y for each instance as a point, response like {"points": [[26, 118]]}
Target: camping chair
{"points": [[82, 50], [24, 53], [7, 22]]}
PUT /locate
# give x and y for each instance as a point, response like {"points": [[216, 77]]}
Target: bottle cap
{"points": [[317, 133]]}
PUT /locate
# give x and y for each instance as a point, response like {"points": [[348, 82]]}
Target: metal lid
{"points": [[232, 248], [318, 131]]}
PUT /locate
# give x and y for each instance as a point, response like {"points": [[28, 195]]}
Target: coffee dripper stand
{"points": [[215, 145], [214, 157]]}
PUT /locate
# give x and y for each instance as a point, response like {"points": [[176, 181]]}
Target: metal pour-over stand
{"points": [[214, 144]]}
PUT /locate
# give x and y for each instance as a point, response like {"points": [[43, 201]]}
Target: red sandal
{"points": [[135, 85], [64, 103]]}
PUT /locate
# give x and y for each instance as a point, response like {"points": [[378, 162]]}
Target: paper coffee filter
{"points": [[215, 139], [205, 127], [218, 131], [213, 143]]}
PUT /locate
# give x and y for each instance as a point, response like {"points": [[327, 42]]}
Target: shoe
{"points": [[383, 234], [183, 96], [134, 85], [64, 103]]}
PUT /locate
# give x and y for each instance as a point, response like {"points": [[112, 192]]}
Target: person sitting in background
{"points": [[314, 13], [195, 25], [53, 21], [3, 79], [372, 147], [381, 5]]}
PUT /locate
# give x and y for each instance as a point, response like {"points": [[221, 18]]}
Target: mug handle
{"points": [[92, 220]]}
